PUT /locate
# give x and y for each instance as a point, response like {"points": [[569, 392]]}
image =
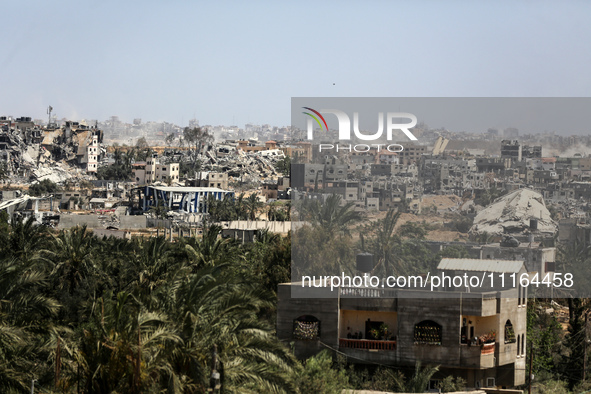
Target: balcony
{"points": [[487, 348], [366, 344], [478, 356]]}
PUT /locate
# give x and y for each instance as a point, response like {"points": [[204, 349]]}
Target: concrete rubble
{"points": [[33, 153], [513, 213], [252, 168]]}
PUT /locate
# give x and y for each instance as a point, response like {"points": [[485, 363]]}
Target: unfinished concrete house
{"points": [[477, 335]]}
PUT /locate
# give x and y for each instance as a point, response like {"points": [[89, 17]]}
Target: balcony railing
{"points": [[367, 344], [364, 292]]}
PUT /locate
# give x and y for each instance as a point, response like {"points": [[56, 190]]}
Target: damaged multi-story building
{"points": [[25, 146]]}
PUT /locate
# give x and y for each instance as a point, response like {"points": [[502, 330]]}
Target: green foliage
{"points": [[450, 384], [142, 143], [574, 342], [397, 249], [188, 169], [140, 315], [270, 259], [279, 211], [159, 211], [382, 379], [332, 216], [462, 224], [318, 252], [544, 332], [43, 188], [575, 257], [196, 137], [551, 387], [120, 170], [319, 376], [454, 251], [284, 166], [484, 238], [419, 380], [388, 379], [230, 208], [582, 387]]}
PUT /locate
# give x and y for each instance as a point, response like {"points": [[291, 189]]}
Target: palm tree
{"points": [[253, 205], [211, 249], [330, 215], [386, 241], [226, 209], [419, 381], [25, 315], [271, 258], [125, 348], [73, 257], [279, 212], [26, 240], [217, 307], [151, 268], [118, 156], [239, 207]]}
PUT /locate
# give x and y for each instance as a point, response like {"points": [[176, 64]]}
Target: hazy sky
{"points": [[233, 62]]}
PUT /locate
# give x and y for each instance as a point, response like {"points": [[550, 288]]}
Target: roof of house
{"points": [[481, 265]]}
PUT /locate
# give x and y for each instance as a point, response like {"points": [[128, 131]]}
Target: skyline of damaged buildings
{"points": [[514, 194], [443, 163]]}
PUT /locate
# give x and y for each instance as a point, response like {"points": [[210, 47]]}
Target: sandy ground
{"points": [[441, 202], [434, 220]]}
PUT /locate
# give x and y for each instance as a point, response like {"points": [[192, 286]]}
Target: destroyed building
{"points": [[26, 148], [515, 213]]}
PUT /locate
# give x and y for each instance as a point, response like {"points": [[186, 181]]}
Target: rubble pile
{"points": [[56, 173], [34, 153], [513, 213], [246, 167]]}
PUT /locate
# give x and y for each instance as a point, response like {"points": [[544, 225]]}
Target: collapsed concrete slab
{"points": [[516, 212], [55, 174]]}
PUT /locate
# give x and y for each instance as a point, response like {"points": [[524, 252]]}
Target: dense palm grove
{"points": [[83, 314]]}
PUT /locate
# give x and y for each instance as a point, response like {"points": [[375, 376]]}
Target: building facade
{"points": [[479, 336]]}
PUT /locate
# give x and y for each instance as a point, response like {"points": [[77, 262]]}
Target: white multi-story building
{"points": [[92, 153], [154, 171]]}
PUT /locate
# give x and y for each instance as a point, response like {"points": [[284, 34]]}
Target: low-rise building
{"points": [[479, 336], [178, 198]]}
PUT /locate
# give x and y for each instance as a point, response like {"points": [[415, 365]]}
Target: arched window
{"points": [[523, 344], [509, 333], [427, 332], [518, 347], [306, 327]]}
